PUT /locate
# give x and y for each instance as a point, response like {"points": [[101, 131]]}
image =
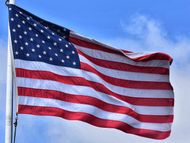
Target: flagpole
{"points": [[9, 90]]}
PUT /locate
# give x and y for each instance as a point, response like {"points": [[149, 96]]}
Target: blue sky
{"points": [[129, 24]]}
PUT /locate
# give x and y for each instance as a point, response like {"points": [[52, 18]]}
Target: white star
{"points": [[25, 32], [27, 55], [61, 50], [44, 52], [39, 56], [23, 22], [46, 27], [62, 61], [12, 19], [36, 35], [16, 52], [51, 59], [33, 50], [35, 24], [60, 39], [18, 25], [30, 28], [55, 44], [21, 48], [14, 30], [10, 9], [73, 52], [31, 39], [26, 43], [74, 63], [56, 54], [20, 12], [15, 41], [66, 46], [42, 31], [49, 48], [69, 43], [43, 41], [20, 36], [28, 18], [38, 46], [67, 57], [53, 33], [48, 37], [16, 15]]}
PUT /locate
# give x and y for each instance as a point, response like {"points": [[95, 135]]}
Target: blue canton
{"points": [[35, 39]]}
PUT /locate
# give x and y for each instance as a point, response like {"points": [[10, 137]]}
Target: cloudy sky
{"points": [[135, 25]]}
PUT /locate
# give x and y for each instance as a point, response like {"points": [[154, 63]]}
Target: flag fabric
{"points": [[60, 73]]}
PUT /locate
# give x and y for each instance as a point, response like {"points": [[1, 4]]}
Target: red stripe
{"points": [[158, 56], [97, 86], [88, 118], [93, 45], [125, 67], [81, 99], [128, 83]]}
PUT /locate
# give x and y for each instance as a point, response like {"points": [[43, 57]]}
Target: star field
{"points": [[34, 39]]}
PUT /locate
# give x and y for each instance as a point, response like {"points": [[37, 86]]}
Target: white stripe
{"points": [[138, 55], [123, 59], [75, 107], [70, 89], [88, 91], [134, 76], [65, 71]]}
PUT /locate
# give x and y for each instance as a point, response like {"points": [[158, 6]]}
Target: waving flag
{"points": [[60, 73]]}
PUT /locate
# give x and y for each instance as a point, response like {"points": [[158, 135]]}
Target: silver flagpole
{"points": [[9, 96]]}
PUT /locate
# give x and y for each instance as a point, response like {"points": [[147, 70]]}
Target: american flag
{"points": [[60, 73]]}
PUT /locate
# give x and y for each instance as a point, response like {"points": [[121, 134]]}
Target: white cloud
{"points": [[2, 86], [3, 60]]}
